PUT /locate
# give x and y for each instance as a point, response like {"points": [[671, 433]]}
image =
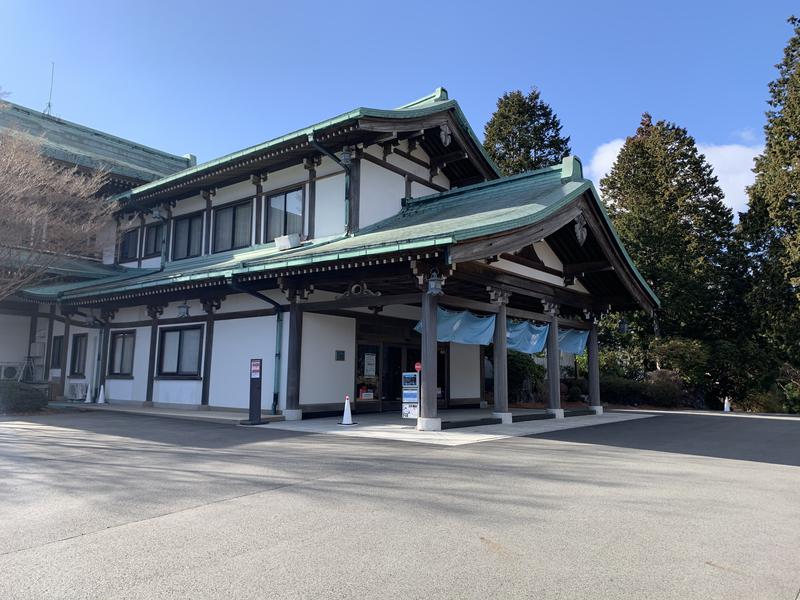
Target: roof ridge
{"points": [[438, 95]]}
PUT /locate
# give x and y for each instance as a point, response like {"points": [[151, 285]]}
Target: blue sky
{"points": [[213, 77]]}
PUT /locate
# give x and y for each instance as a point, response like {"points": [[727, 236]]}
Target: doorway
{"points": [[379, 370]]}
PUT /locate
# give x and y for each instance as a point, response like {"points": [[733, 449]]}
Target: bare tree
{"points": [[47, 210]]}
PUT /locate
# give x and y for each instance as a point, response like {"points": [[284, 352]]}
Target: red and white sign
{"points": [[255, 368], [418, 367]]}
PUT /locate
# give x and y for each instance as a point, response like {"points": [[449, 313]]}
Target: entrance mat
{"points": [[531, 417], [578, 412], [470, 423]]}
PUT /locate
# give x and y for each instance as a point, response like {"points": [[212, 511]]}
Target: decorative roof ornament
{"points": [[580, 229], [445, 134]]}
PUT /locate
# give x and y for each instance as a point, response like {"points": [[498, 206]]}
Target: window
{"points": [[180, 351], [188, 237], [284, 214], [232, 226], [55, 352], [121, 358], [152, 239], [129, 245], [78, 356]]}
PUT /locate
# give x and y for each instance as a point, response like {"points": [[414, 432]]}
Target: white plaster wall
{"points": [[380, 195], [418, 190], [329, 209], [13, 338], [322, 378], [235, 343], [177, 392], [465, 371]]}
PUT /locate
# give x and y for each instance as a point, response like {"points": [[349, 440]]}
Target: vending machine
{"points": [[410, 385]]}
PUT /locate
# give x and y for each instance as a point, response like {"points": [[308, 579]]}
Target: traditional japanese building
{"points": [[341, 255]]}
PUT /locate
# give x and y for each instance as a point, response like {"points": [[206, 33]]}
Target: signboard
{"points": [[410, 384], [410, 411], [410, 380], [255, 368], [370, 364]]}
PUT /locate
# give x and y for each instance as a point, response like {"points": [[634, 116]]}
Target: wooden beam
{"points": [[512, 241], [359, 302], [581, 269]]}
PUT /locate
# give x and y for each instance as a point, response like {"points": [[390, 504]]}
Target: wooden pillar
{"points": [[65, 347], [256, 181], [48, 354], [428, 421], [207, 194], [154, 312], [310, 164], [500, 298], [31, 340], [292, 411], [209, 306], [106, 335], [355, 192], [553, 362], [593, 359]]}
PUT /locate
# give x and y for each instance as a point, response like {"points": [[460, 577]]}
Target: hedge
{"points": [[18, 397]]}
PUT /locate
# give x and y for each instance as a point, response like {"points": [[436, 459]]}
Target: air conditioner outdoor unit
{"points": [[9, 372], [77, 391], [286, 242]]}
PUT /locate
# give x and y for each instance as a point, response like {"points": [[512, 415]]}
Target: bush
{"points": [[524, 376], [20, 398], [627, 363], [688, 358], [658, 389]]}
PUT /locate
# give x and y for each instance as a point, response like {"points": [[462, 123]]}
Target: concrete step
{"points": [[470, 423], [578, 412], [531, 417]]}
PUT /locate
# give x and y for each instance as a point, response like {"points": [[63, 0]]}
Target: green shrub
{"points": [[20, 398], [688, 358], [524, 376], [657, 390], [628, 363]]}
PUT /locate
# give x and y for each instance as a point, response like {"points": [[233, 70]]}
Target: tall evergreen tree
{"points": [[667, 206], [524, 133], [771, 226]]}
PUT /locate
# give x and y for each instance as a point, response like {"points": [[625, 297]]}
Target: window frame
{"points": [[201, 214], [73, 371], [160, 359], [126, 233], [269, 195], [232, 206], [112, 347], [59, 355], [147, 229]]}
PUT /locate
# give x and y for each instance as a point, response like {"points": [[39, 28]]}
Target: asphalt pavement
{"points": [[97, 505]]}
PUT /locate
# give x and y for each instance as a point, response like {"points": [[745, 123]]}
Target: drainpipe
{"points": [[343, 162], [276, 388]]}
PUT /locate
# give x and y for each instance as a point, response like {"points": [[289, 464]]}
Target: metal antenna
{"points": [[48, 110]]}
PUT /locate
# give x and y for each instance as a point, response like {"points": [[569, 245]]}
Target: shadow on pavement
{"points": [[774, 441]]}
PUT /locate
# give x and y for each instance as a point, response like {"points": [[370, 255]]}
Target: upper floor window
{"points": [[129, 245], [233, 226], [188, 237], [152, 239], [284, 214]]}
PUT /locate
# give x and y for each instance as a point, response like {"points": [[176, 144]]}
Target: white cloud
{"points": [[732, 164], [603, 159]]}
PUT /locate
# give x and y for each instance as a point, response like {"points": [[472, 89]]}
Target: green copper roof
{"points": [[433, 103], [438, 220], [80, 145]]}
